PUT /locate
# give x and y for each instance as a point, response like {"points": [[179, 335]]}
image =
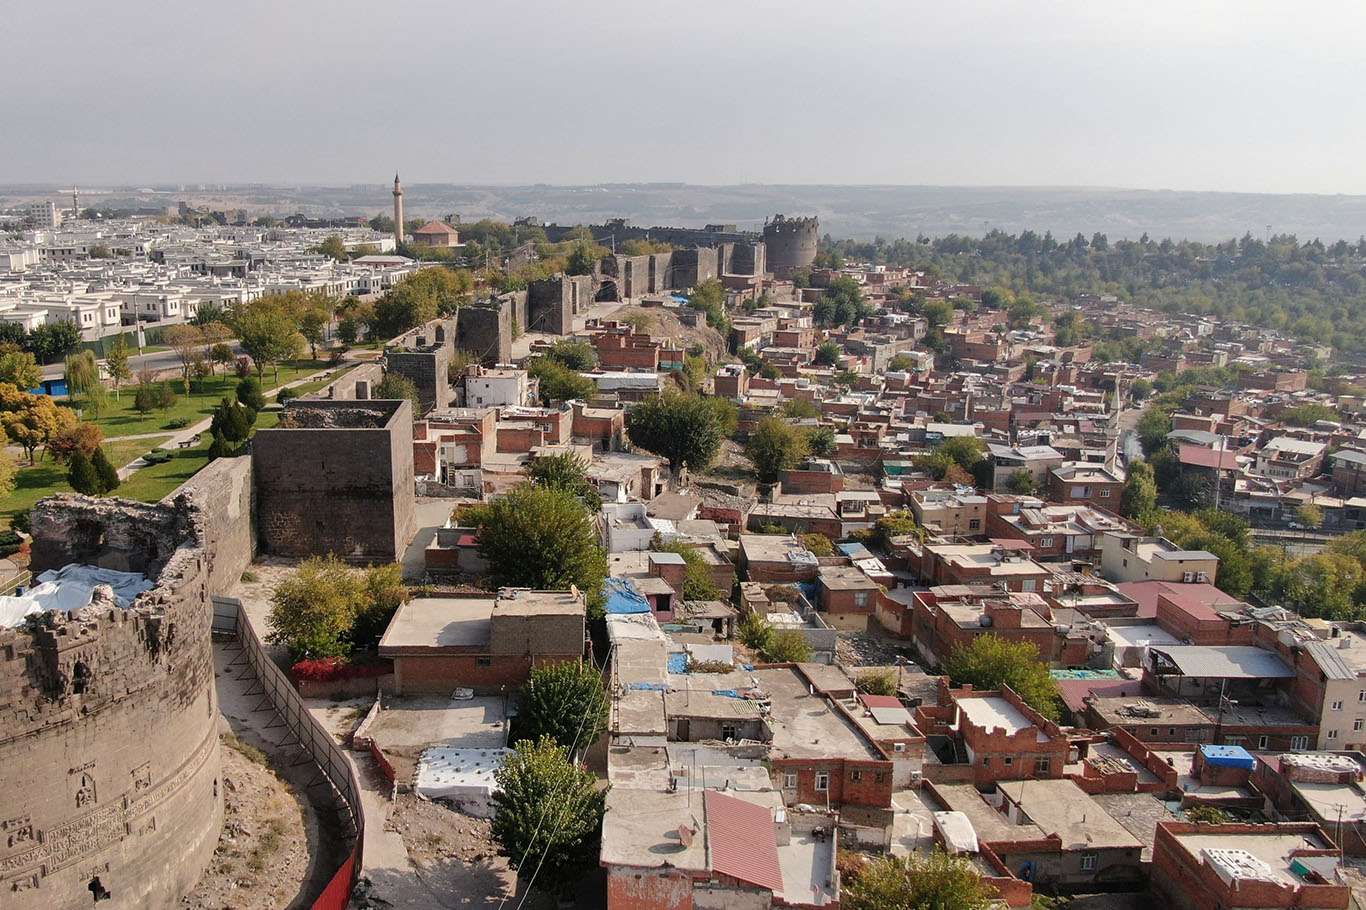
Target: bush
{"points": [[157, 456], [249, 393], [286, 394], [179, 423], [332, 669]]}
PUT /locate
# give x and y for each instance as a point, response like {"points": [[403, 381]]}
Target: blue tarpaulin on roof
{"points": [[727, 693], [622, 597], [854, 550], [647, 687], [1228, 757], [678, 663], [808, 589]]}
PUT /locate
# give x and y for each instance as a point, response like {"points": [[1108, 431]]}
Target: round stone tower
{"points": [[790, 244], [110, 787]]}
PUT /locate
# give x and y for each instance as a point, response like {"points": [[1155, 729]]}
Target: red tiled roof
{"points": [[1207, 458], [880, 701], [741, 841], [435, 227], [1145, 594], [1075, 691], [1011, 543]]}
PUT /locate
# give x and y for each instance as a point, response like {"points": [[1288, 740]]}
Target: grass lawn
{"points": [[122, 419], [153, 482], [47, 477]]}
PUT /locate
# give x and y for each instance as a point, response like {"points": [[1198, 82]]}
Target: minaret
{"points": [[398, 210], [75, 203]]}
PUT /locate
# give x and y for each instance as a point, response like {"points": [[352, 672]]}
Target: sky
{"points": [[1239, 96]]}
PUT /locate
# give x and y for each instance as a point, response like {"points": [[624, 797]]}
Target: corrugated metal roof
{"points": [[1238, 662], [1330, 661], [741, 841]]}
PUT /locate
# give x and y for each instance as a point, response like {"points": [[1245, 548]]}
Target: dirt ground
{"points": [[454, 857], [664, 324], [262, 857], [872, 648]]}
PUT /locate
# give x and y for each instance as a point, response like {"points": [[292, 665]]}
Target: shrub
{"points": [[178, 423], [332, 669]]}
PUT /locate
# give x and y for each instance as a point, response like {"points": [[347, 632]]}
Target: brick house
{"points": [[1209, 867], [480, 641], [846, 595], [1004, 738], [1085, 483]]}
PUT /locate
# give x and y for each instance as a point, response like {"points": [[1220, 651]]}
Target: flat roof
{"points": [[1272, 848], [1061, 807], [525, 602], [994, 712], [1231, 662], [439, 622], [806, 726]]}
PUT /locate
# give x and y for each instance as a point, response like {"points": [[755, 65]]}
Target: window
{"points": [[861, 599], [1263, 741], [1088, 862], [1356, 725], [901, 747], [986, 761], [1104, 492], [880, 776], [1027, 585], [1299, 742], [1046, 541], [1041, 766], [728, 731], [789, 781], [483, 662], [1152, 732], [822, 782], [1171, 731], [1361, 696], [856, 775], [1332, 734], [1337, 706], [975, 524], [1009, 761]]}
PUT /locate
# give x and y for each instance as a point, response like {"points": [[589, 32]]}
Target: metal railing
{"points": [[334, 771]]}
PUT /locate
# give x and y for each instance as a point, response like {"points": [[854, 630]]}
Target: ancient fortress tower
{"points": [[109, 755], [790, 243]]}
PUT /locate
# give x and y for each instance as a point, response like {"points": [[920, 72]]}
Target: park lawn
{"points": [[152, 483], [47, 477], [122, 419]]}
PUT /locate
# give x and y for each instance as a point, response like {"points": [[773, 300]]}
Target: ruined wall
{"points": [[485, 332], [224, 496], [427, 372], [552, 303], [109, 757], [346, 490], [689, 268]]}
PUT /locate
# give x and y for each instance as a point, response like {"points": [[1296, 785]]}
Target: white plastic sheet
{"points": [[69, 588]]}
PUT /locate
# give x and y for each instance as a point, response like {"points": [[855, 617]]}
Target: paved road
{"points": [[157, 361]]}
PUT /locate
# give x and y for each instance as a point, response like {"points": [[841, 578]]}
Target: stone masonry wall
{"points": [[109, 761], [347, 491]]}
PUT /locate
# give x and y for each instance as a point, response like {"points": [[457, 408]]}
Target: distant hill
{"points": [[845, 211]]}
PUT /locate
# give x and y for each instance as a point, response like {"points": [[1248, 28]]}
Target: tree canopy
{"points": [[681, 428], [775, 446], [991, 662]]}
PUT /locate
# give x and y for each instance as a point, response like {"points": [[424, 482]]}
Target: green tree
{"points": [[828, 354], [116, 362], [583, 258], [52, 341], [565, 701], [383, 593], [1139, 498], [219, 447], [821, 442], [800, 409], [1022, 482], [81, 474], [541, 538], [548, 818], [83, 380], [709, 297], [565, 471], [312, 609], [775, 446], [333, 248], [755, 632], [556, 382], [268, 333], [579, 356], [990, 662], [920, 881], [83, 437], [786, 646], [188, 343], [20, 369], [1152, 428], [698, 581], [680, 428], [901, 363], [1324, 585], [230, 420], [1308, 515], [313, 326], [249, 393], [397, 387], [107, 474], [878, 682], [818, 544]]}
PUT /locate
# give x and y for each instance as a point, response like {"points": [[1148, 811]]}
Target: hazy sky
{"points": [[1193, 95]]}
